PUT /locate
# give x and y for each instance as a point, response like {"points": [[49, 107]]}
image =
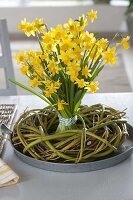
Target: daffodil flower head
{"points": [[20, 57], [34, 82], [53, 68], [109, 56], [80, 83], [124, 42], [50, 90], [24, 69], [39, 25], [92, 15], [86, 72], [92, 86], [60, 105]]}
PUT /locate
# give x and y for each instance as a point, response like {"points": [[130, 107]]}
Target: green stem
{"points": [[31, 90]]}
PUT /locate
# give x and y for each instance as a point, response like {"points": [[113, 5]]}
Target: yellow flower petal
{"points": [[53, 68], [39, 25], [34, 82], [109, 56], [20, 57], [124, 42], [60, 104], [24, 69], [92, 15], [86, 72], [28, 28], [92, 87], [80, 82]]}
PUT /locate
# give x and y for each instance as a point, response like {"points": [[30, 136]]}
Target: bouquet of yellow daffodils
{"points": [[64, 70]]}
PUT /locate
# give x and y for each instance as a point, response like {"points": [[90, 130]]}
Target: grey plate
{"points": [[124, 152]]}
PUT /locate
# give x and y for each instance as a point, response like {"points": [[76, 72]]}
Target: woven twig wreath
{"points": [[104, 131]]}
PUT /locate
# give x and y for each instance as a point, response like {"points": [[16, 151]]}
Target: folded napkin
{"points": [[7, 175]]}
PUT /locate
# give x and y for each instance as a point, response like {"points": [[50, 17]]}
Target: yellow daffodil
{"points": [[92, 87], [39, 25], [28, 28], [47, 38], [53, 68], [49, 47], [89, 40], [92, 15], [65, 57], [60, 104], [30, 54], [109, 56], [73, 70], [57, 84], [50, 90], [78, 42], [72, 26], [48, 83], [35, 61], [73, 73], [24, 69], [58, 32], [102, 43], [47, 93], [75, 53], [52, 86], [83, 22], [124, 42], [80, 82], [95, 54], [23, 25], [44, 56], [66, 44], [20, 57], [86, 72], [39, 71], [34, 82]]}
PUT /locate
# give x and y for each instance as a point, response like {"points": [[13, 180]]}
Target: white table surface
{"points": [[114, 183]]}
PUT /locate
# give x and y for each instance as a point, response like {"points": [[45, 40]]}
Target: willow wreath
{"points": [[100, 131]]}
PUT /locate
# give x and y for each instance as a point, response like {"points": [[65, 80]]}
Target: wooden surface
{"points": [[108, 184]]}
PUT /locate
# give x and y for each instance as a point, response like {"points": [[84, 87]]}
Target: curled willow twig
{"points": [[100, 131]]}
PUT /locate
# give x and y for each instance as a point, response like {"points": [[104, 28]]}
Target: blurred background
{"points": [[113, 16]]}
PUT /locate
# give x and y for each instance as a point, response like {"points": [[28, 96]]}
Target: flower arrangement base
{"points": [[105, 140]]}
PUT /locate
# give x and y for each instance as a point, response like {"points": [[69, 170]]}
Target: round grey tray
{"points": [[123, 153]]}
